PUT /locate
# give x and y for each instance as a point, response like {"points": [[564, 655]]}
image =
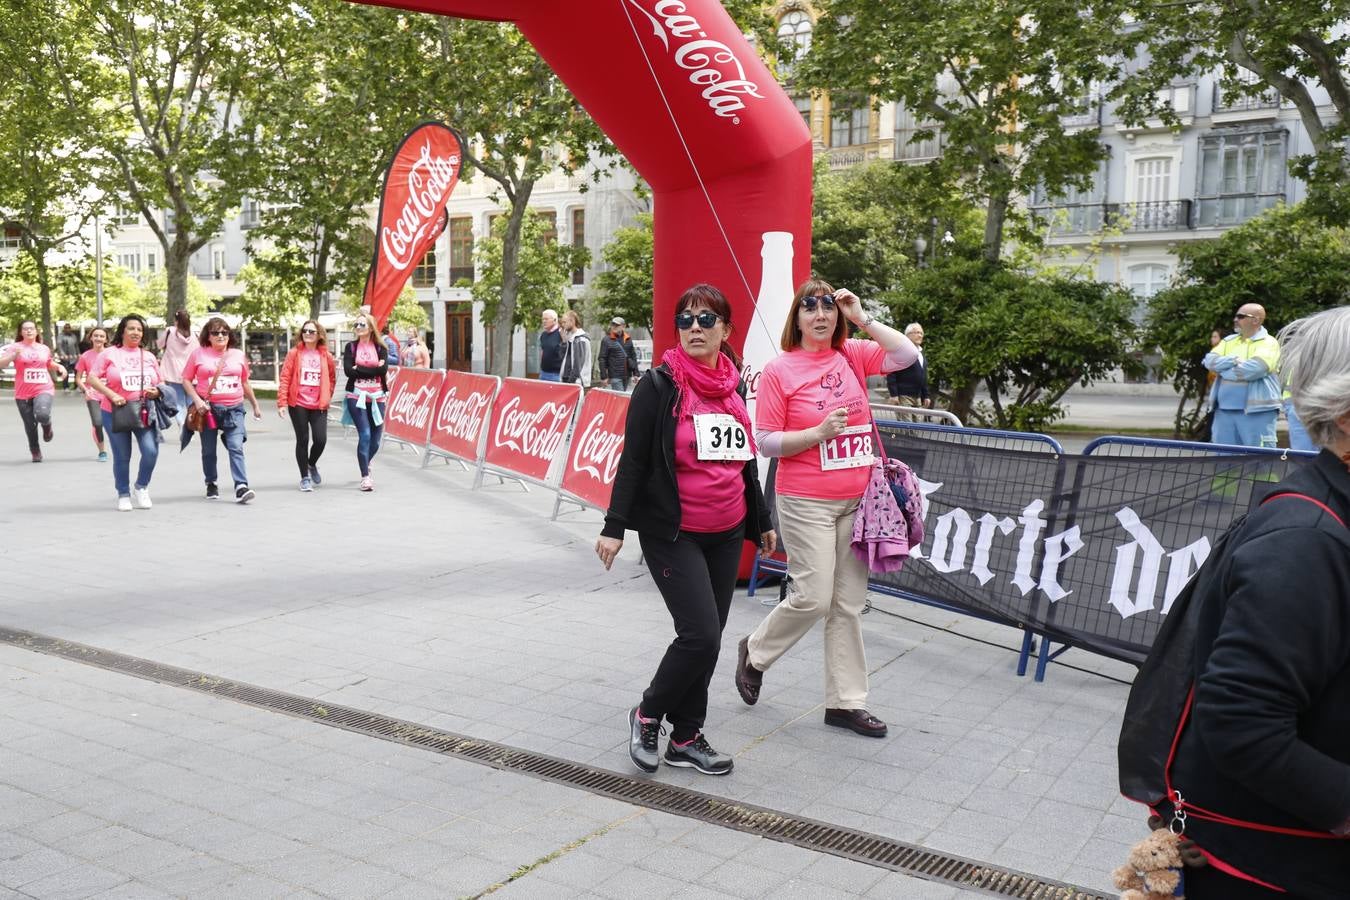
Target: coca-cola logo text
{"points": [[711, 65], [412, 408], [429, 182], [597, 449], [461, 417], [532, 432]]}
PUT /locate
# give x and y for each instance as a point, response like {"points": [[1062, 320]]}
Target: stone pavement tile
{"points": [[786, 859], [580, 869], [65, 825], [854, 878], [243, 883], [149, 857], [637, 882], [413, 818], [987, 827], [971, 846], [131, 890], [83, 881], [742, 880], [34, 865], [358, 881], [466, 875], [897, 885]]}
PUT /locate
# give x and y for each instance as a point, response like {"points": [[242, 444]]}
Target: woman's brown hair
{"points": [[217, 322], [715, 301], [792, 332], [300, 334]]}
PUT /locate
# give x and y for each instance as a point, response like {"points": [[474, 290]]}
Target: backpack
{"points": [[1160, 700]]}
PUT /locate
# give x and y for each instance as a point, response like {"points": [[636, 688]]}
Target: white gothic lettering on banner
{"points": [[461, 417], [598, 450], [412, 408], [538, 433], [429, 180], [712, 65]]}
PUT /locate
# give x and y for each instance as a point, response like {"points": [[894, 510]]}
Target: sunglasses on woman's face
{"points": [[685, 320], [361, 326], [309, 331], [219, 333], [825, 301]]}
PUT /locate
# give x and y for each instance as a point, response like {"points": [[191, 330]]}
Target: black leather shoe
{"points": [[748, 678], [859, 721]]}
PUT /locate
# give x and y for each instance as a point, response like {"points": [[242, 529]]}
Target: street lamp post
{"points": [[98, 272]]}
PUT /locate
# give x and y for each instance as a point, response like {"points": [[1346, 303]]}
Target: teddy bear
{"points": [[1152, 870]]}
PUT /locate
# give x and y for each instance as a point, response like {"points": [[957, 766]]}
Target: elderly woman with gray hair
{"points": [[1263, 763]]}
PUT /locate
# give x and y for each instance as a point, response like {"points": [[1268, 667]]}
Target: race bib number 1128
{"points": [[850, 449]]}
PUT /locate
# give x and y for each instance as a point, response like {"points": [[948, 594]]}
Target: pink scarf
{"points": [[692, 378]]}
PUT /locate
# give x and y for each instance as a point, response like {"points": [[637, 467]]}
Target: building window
{"points": [[1241, 175], [579, 241], [218, 261], [170, 221], [549, 219], [1073, 211], [906, 126], [803, 105], [11, 238], [461, 249], [151, 262], [424, 274], [250, 214], [1153, 180], [130, 260], [1147, 280], [794, 31], [125, 215], [850, 125]]}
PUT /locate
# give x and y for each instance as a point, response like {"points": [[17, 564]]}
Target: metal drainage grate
{"points": [[849, 843]]}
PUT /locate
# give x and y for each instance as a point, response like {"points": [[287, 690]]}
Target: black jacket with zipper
{"points": [[353, 371], [645, 497]]}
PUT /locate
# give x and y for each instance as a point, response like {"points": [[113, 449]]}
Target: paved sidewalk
{"points": [[470, 611]]}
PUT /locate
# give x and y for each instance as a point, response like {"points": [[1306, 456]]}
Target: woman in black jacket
{"points": [[365, 361], [1268, 741], [687, 483]]}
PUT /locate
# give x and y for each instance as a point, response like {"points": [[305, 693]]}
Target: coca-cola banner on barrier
{"points": [[462, 414], [529, 426], [417, 186], [597, 443], [412, 400]]}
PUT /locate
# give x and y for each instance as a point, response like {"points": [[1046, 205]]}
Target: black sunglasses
{"points": [[309, 331], [825, 300], [685, 320], [1244, 316], [360, 325], [217, 331]]}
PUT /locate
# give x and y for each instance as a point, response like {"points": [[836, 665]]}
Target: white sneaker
{"points": [[367, 484], [124, 504], [140, 498]]}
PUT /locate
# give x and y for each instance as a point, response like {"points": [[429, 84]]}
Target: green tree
{"points": [[71, 288], [519, 124], [1292, 47], [329, 103], [543, 268], [197, 299], [1286, 260], [171, 76], [1026, 338], [268, 299], [46, 166], [624, 288], [996, 80], [407, 312]]}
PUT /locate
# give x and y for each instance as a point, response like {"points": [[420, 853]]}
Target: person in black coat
{"points": [[1268, 742], [687, 483], [617, 357]]}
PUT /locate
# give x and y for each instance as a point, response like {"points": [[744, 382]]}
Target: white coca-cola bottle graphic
{"points": [[771, 309]]}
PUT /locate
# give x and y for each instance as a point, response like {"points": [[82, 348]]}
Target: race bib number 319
{"points": [[721, 437], [850, 449]]}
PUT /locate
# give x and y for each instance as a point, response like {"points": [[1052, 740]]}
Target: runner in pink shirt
{"points": [[304, 392], [33, 389], [813, 414], [98, 338], [366, 362], [126, 373], [215, 378]]}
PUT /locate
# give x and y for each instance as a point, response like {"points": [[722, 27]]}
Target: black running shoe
{"points": [[212, 492], [697, 754]]}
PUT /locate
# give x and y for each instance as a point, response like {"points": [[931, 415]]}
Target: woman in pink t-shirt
{"points": [[122, 374], [304, 391], [215, 378], [687, 483], [366, 362], [98, 340], [33, 390], [812, 412]]}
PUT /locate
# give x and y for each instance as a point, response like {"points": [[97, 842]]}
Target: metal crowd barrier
{"points": [[1120, 445], [891, 413]]}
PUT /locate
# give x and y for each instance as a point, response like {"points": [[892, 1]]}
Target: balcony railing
{"points": [[1159, 215], [845, 157], [1088, 218], [1224, 103]]}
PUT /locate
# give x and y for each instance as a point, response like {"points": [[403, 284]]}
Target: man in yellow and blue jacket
{"points": [[1247, 392]]}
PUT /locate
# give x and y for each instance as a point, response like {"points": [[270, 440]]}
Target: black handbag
{"points": [[132, 414]]}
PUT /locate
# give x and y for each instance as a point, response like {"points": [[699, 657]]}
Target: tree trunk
{"points": [[177, 256], [963, 400], [504, 323], [45, 292], [993, 227], [320, 277]]}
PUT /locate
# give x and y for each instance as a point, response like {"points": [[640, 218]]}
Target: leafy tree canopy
{"points": [[269, 300], [624, 288], [543, 268]]}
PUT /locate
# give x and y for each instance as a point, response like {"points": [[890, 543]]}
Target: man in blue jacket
{"points": [[1247, 392]]}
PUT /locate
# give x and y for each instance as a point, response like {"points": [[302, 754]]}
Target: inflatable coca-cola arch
{"points": [[686, 99]]}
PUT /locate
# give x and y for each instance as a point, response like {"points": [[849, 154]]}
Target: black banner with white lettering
{"points": [[1088, 549]]}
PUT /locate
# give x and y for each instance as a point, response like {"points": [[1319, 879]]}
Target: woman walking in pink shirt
{"points": [[215, 378], [688, 485], [366, 362], [122, 374], [304, 391], [33, 389], [178, 343], [813, 414], [98, 340]]}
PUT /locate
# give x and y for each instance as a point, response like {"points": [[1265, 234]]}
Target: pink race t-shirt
{"points": [[800, 388], [712, 492], [31, 377], [310, 365], [366, 355], [229, 387], [127, 372], [86, 364]]}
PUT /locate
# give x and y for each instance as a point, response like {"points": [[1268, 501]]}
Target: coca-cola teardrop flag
{"points": [[597, 444], [417, 187], [528, 430]]}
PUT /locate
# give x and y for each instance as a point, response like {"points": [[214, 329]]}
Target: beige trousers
{"points": [[827, 581]]}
